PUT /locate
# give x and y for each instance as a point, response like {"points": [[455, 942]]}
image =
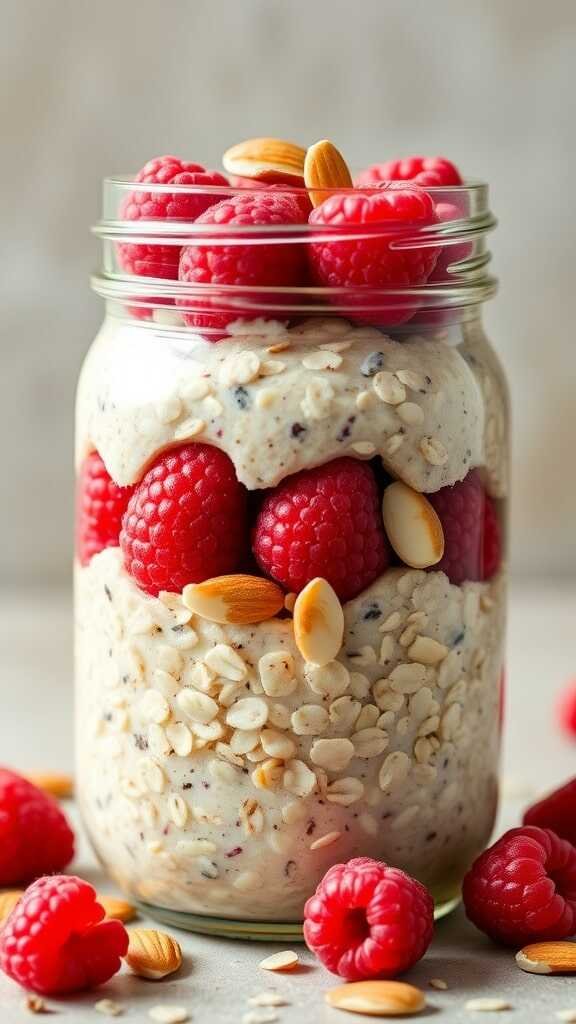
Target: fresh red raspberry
{"points": [[368, 920], [424, 170], [523, 888], [557, 811], [100, 505], [472, 536], [323, 522], [186, 520], [450, 254], [56, 939], [382, 258], [162, 260], [242, 263], [567, 711], [35, 837]]}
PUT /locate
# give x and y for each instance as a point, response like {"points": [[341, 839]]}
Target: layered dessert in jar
{"points": [[292, 469]]}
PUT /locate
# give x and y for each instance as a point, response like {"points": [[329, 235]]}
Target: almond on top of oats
{"points": [[266, 159], [152, 954], [234, 599], [318, 622]]}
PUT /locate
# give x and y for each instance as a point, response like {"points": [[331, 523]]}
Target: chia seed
{"points": [[372, 364]]}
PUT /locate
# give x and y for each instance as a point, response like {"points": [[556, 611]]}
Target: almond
{"points": [[377, 998], [548, 958], [287, 960], [235, 599], [8, 900], [325, 169], [270, 160], [412, 525], [59, 786], [117, 910], [152, 954], [318, 622]]}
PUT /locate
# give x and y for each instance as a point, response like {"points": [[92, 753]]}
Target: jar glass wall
{"points": [[223, 764]]}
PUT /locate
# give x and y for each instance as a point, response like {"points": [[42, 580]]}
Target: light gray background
{"points": [[92, 88]]}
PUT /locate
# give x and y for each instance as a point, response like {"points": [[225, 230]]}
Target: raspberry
{"points": [[323, 522], [450, 253], [368, 920], [238, 264], [523, 888], [162, 260], [557, 811], [472, 536], [100, 505], [389, 215], [56, 940], [185, 521], [35, 837], [567, 711], [424, 170]]}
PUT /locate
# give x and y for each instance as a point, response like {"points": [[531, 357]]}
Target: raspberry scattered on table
{"points": [[56, 939], [557, 811], [523, 888], [323, 522], [368, 920], [100, 507], [186, 520], [35, 837], [567, 712]]}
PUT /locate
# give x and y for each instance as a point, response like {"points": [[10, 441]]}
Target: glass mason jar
{"points": [[234, 741]]}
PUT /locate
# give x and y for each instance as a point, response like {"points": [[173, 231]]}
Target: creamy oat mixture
{"points": [[220, 773]]}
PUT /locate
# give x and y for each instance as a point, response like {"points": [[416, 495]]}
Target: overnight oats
{"points": [[290, 576]]}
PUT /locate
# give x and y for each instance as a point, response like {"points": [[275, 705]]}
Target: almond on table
{"points": [[152, 954], [117, 909], [548, 958], [377, 998]]}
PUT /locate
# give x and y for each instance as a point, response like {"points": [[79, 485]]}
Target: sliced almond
{"points": [[377, 998], [59, 786], [325, 169], [287, 960], [548, 958], [117, 910], [318, 622], [236, 599], [152, 954], [8, 900], [412, 525], [270, 160]]}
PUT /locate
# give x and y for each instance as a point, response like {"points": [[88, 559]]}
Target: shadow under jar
{"points": [[220, 772]]}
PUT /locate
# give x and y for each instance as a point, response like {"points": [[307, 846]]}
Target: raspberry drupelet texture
{"points": [[433, 171], [100, 505], [279, 264], [523, 888], [472, 536], [557, 811], [35, 837], [368, 920], [382, 258], [162, 261], [186, 520], [323, 522], [57, 941]]}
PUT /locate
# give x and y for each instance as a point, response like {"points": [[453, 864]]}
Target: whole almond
{"points": [[548, 958], [237, 599], [377, 998], [325, 169], [269, 160], [318, 622], [412, 526], [57, 785], [116, 909], [152, 954], [8, 900]]}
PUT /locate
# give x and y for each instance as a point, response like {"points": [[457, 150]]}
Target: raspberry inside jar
{"points": [[290, 577]]}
